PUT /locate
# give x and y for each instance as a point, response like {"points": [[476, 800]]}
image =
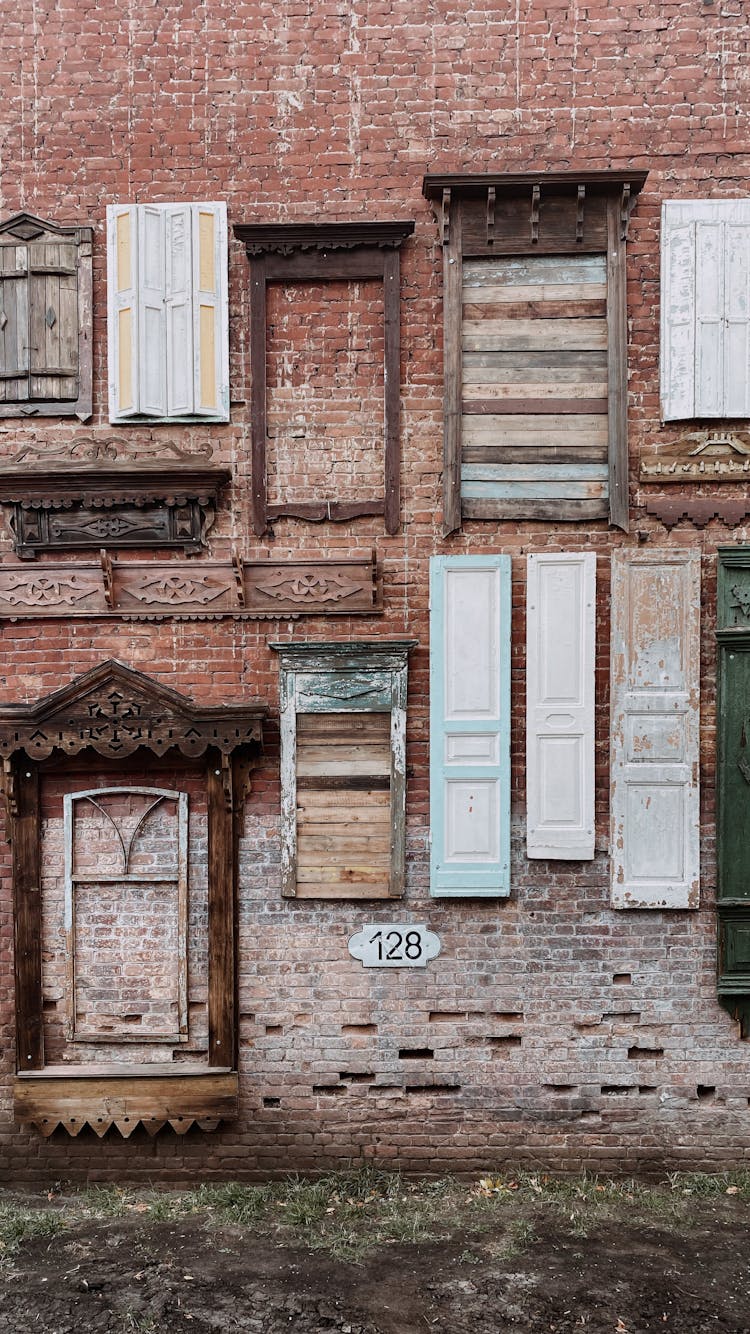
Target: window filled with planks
{"points": [[343, 805], [534, 376]]}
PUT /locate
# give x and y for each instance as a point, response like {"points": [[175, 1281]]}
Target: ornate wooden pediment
{"points": [[700, 456], [114, 709]]}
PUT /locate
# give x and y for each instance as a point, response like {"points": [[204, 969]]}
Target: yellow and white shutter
{"points": [[168, 311]]}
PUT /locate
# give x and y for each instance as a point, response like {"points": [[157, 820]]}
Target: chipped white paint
{"points": [[560, 649], [705, 309], [394, 945], [655, 729]]}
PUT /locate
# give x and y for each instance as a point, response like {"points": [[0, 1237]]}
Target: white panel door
{"points": [[655, 729], [560, 649], [469, 725]]}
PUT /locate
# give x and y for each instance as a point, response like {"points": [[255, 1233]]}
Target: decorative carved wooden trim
{"points": [[159, 504], [700, 456], [36, 400], [212, 590], [513, 183], [107, 449], [315, 252], [114, 710], [153, 1096], [700, 510]]}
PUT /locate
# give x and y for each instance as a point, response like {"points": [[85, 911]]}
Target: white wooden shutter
{"points": [[152, 309], [469, 725], [122, 310], [705, 309], [655, 719], [210, 311], [560, 654], [179, 309]]}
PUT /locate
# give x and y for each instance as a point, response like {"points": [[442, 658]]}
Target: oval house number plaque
{"points": [[394, 945]]}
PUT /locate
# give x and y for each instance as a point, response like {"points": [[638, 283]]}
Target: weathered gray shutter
{"points": [[152, 369], [122, 313], [210, 311], [53, 320], [14, 323], [179, 310]]}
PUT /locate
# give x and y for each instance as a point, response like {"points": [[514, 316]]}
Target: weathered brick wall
{"points": [[551, 1029]]}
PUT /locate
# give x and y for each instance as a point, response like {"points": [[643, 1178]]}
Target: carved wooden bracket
{"points": [[211, 591], [700, 456], [82, 506], [699, 510], [344, 251]]}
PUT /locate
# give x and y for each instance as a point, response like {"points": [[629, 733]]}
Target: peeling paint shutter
{"points": [[179, 310], [469, 725], [122, 283], [705, 309], [655, 718], [560, 647], [152, 310], [210, 315], [53, 320]]}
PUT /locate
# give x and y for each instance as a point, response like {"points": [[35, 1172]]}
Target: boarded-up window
{"points": [[168, 329], [535, 345], [45, 319], [343, 768], [705, 309], [344, 807]]}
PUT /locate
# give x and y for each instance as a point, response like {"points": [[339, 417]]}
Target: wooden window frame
{"points": [[325, 252], [733, 911], [457, 199], [26, 229], [114, 711], [343, 677]]}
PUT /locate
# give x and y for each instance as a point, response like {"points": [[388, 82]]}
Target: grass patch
{"points": [[19, 1224]]}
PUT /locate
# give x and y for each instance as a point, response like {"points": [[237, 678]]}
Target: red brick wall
{"points": [[562, 1033]]}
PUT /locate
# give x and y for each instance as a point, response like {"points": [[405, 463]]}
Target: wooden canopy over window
{"points": [[114, 710], [535, 345]]}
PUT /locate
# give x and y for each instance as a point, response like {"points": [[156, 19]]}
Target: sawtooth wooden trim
{"points": [[315, 252], [125, 1097]]}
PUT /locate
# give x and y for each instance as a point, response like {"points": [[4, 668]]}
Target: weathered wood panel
{"points": [[27, 916], [75, 1096], [655, 718]]}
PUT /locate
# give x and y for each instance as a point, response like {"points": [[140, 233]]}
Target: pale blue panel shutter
{"points": [[470, 726]]}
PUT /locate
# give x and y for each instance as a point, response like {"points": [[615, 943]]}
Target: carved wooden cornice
{"points": [[133, 452], [27, 227], [701, 456], [212, 590], [470, 186], [699, 510], [284, 238], [111, 483], [114, 709]]}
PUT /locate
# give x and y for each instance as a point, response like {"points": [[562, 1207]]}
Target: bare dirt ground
{"points": [[332, 1258]]}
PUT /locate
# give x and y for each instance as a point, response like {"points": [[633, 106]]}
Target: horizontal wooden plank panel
{"points": [[328, 803], [535, 335], [534, 310], [489, 293], [521, 428], [557, 226], [345, 840], [568, 453], [533, 472], [534, 380], [549, 358], [565, 511], [537, 270], [564, 490], [353, 873], [326, 890], [133, 1095], [359, 725], [478, 407]]}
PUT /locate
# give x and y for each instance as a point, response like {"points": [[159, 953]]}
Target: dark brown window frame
{"points": [[114, 711], [457, 197], [325, 252], [24, 229]]}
